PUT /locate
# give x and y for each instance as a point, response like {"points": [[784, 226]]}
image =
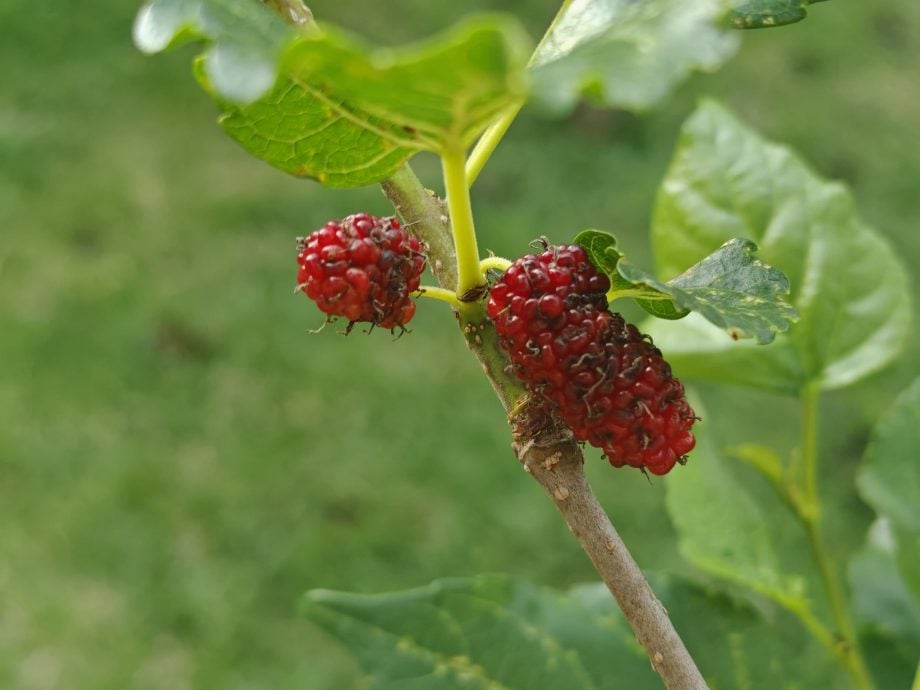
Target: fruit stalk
{"points": [[551, 455]]}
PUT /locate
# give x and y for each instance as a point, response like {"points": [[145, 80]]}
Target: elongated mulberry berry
{"points": [[596, 372], [362, 268]]}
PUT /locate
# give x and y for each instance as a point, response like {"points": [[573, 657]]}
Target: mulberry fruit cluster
{"points": [[362, 268], [604, 379]]}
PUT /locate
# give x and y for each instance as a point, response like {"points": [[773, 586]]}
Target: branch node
{"points": [[550, 463]]}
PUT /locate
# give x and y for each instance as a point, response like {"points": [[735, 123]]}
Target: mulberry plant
{"points": [[566, 366]]}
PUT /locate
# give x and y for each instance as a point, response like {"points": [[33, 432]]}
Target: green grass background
{"points": [[180, 460]]}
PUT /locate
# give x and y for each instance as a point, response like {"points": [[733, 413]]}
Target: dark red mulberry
{"points": [[596, 372], [362, 268]]}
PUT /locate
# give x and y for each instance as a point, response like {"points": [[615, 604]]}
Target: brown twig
{"points": [[557, 464]]}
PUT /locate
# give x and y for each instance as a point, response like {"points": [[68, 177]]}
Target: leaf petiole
{"points": [[469, 275], [490, 140]]}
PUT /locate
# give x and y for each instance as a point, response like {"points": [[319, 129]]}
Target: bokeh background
{"points": [[180, 459]]}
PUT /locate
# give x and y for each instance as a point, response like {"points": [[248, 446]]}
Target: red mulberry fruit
{"points": [[362, 268], [596, 372]]}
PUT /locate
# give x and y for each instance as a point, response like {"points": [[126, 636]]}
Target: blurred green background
{"points": [[180, 460]]}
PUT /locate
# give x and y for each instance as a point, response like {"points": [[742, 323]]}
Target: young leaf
{"points": [[602, 250], [731, 289], [761, 14], [849, 288], [889, 480], [245, 38], [344, 114], [628, 54]]}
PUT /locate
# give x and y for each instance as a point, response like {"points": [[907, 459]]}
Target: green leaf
{"points": [[765, 460], [849, 288], [730, 288], [723, 530], [484, 632], [245, 37], [442, 94], [499, 632], [736, 646], [887, 612], [601, 248], [762, 14], [889, 480], [626, 53], [880, 597], [342, 113]]}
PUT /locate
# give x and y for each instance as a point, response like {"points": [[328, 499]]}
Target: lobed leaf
{"points": [[500, 632], [626, 53], [762, 14], [848, 286], [317, 103]]}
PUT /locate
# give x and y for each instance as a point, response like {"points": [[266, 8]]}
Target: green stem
{"points": [[439, 294], [494, 263], [810, 515], [426, 216], [470, 281], [809, 452], [490, 140], [811, 622]]}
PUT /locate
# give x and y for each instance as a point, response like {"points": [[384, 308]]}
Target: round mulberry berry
{"points": [[596, 372], [362, 268]]}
